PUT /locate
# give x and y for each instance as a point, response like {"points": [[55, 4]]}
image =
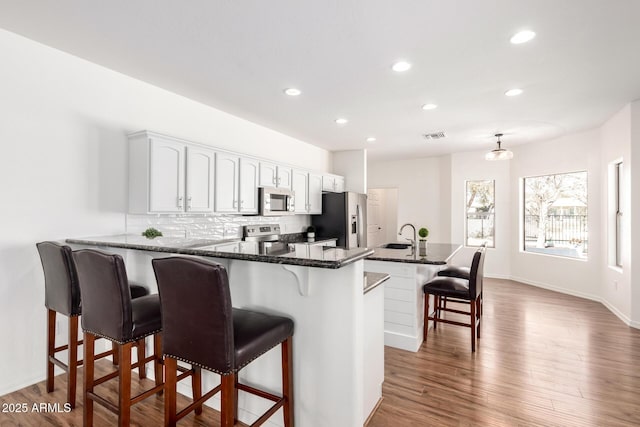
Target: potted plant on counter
{"points": [[422, 244], [311, 233]]}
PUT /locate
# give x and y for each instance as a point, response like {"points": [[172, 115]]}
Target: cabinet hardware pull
{"points": [[180, 201]]}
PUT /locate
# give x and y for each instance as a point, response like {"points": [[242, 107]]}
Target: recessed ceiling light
{"points": [[429, 106], [522, 37], [401, 66], [342, 121], [371, 139], [292, 91], [513, 92]]}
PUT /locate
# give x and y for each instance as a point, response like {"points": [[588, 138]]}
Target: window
{"points": [[480, 213], [618, 171], [555, 214]]}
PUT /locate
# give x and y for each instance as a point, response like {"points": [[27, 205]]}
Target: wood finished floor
{"points": [[544, 359]]}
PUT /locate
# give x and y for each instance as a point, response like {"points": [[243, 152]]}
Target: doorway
{"points": [[382, 216]]}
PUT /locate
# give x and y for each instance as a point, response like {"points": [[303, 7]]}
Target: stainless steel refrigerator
{"points": [[344, 215]]}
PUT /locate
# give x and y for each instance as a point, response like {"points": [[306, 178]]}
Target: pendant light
{"points": [[499, 153]]}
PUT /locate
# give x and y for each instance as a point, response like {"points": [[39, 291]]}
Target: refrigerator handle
{"points": [[358, 225]]}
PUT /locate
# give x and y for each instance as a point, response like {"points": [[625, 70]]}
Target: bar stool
{"points": [[459, 290], [62, 295], [461, 272], [109, 312], [203, 329]]}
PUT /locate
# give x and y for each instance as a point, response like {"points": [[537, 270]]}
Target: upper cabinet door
{"points": [[200, 178], [300, 183], [166, 175], [249, 173], [333, 183], [226, 183], [314, 195], [268, 175], [284, 177]]}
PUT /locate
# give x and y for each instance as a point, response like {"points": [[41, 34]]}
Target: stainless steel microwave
{"points": [[276, 201]]}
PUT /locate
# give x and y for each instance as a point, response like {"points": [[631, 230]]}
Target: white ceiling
{"points": [[239, 55]]}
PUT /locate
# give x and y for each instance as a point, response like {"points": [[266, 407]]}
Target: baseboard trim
{"points": [[403, 342], [625, 319], [10, 388]]}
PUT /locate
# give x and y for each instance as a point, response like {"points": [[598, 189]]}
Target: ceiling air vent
{"points": [[435, 135]]}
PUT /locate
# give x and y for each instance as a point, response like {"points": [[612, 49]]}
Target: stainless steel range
{"points": [[268, 238]]}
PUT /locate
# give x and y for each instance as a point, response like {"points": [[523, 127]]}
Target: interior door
{"points": [[375, 218]]}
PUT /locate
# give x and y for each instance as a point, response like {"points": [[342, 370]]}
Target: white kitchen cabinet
{"points": [[227, 183], [314, 195], [168, 175], [300, 186], [274, 175], [249, 172], [200, 176], [236, 188], [333, 183], [308, 192]]}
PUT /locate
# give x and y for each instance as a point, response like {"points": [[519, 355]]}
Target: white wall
{"points": [[422, 201], [615, 141], [63, 170], [472, 167], [634, 228], [577, 152], [352, 164]]}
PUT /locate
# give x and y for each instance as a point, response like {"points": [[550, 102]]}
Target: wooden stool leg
{"points": [[473, 325], [170, 372], [436, 304], [287, 381], [116, 353], [142, 367], [227, 406], [426, 317], [124, 393], [235, 399], [72, 372], [479, 313], [196, 387], [157, 361], [87, 410], [51, 346]]}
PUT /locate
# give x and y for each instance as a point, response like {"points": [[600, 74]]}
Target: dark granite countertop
{"points": [[437, 253], [331, 257], [373, 280]]}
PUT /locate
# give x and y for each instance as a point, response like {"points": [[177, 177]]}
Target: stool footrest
{"points": [[59, 363], [208, 395], [258, 392]]}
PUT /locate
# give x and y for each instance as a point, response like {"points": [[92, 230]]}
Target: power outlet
{"points": [[57, 327]]}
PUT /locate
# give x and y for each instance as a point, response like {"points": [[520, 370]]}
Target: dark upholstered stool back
{"points": [[476, 275], [106, 297], [62, 293], [188, 289]]}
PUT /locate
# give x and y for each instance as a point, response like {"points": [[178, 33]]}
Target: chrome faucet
{"points": [[415, 238]]}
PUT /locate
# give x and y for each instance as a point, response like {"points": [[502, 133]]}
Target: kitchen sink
{"points": [[396, 246]]}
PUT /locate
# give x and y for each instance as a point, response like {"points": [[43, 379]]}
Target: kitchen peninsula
{"points": [[323, 292], [403, 297]]}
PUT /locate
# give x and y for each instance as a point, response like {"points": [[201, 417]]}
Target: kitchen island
{"points": [[403, 297], [322, 292]]}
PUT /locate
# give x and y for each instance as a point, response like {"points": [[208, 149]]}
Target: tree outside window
{"points": [[480, 204], [555, 214]]}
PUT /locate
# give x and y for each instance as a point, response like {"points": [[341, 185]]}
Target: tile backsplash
{"points": [[209, 226]]}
